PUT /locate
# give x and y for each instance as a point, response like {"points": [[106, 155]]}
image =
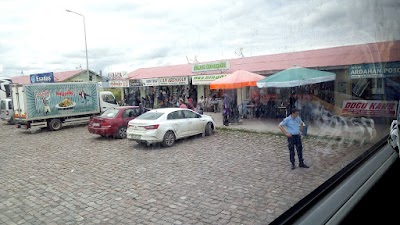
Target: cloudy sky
{"points": [[124, 35]]}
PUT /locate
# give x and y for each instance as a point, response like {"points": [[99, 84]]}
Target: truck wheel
{"points": [[11, 121], [55, 124]]}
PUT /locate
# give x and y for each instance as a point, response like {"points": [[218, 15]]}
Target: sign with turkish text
{"points": [[375, 70], [370, 108], [118, 75], [173, 81], [150, 82], [135, 83], [221, 65], [206, 79], [42, 78], [118, 83]]}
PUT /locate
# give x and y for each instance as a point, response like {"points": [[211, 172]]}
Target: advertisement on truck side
{"points": [[61, 99]]}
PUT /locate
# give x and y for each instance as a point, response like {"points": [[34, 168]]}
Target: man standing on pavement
{"points": [[292, 127]]}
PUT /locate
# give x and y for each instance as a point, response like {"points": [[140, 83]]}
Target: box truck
{"points": [[54, 105]]}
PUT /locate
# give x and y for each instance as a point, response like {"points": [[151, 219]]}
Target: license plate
{"points": [[96, 124], [136, 137]]}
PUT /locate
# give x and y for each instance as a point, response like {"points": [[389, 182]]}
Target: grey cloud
{"points": [[144, 34], [154, 53]]}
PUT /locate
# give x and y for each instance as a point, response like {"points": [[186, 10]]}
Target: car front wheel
{"points": [[208, 129], [169, 139]]}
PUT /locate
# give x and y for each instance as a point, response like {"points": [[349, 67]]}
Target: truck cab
{"points": [[5, 87], [107, 100]]}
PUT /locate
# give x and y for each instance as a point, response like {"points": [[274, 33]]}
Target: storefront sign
{"points": [[173, 81], [375, 70], [42, 78], [118, 75], [150, 82], [135, 83], [206, 79], [222, 65], [370, 108], [118, 83]]}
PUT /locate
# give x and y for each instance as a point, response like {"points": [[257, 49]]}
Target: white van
{"points": [[6, 110]]}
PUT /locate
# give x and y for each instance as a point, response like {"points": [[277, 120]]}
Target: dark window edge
{"points": [[311, 205]]}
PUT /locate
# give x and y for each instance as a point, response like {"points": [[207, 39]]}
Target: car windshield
{"points": [[110, 113], [150, 116], [295, 96]]}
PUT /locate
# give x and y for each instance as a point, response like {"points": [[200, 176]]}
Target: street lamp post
{"points": [[84, 31]]}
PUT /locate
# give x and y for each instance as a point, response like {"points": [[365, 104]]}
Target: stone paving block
{"points": [[227, 178]]}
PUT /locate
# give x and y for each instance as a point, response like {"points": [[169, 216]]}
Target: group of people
{"points": [[197, 107]]}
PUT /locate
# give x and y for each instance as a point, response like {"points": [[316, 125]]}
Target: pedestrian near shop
{"points": [[182, 105], [200, 104], [152, 97], [190, 104], [292, 127], [292, 102], [226, 111]]}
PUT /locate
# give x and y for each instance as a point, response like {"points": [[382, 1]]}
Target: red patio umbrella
{"points": [[237, 79]]}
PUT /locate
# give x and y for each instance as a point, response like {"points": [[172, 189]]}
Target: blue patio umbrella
{"points": [[296, 76]]}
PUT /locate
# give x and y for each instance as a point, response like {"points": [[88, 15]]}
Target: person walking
{"points": [[292, 128], [201, 102], [226, 111]]}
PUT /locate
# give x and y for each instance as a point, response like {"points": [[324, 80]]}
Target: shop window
{"points": [[377, 86], [360, 86]]}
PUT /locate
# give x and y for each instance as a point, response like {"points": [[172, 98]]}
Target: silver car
{"points": [[6, 110], [166, 125]]}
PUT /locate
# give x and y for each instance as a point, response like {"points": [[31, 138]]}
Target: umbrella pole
{"points": [[241, 103]]}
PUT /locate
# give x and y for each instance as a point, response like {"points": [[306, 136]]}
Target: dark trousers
{"points": [[225, 120], [295, 141]]}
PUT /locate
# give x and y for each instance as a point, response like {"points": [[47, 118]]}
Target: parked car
{"points": [[114, 121], [6, 110], [166, 125]]}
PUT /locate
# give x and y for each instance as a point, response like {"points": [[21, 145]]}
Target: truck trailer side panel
{"points": [[41, 101], [51, 105]]}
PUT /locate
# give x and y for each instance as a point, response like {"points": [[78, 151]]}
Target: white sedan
{"points": [[166, 125]]}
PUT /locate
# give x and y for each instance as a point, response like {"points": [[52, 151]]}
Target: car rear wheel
{"points": [[208, 129], [169, 139], [121, 133]]}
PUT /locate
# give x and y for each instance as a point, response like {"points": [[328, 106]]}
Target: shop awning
{"points": [[296, 76], [237, 79]]}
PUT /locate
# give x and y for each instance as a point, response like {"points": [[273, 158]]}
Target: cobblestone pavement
{"points": [[232, 177]]}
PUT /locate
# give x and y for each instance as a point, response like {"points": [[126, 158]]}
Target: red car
{"points": [[113, 122]]}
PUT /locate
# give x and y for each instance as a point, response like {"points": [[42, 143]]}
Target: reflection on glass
{"points": [[239, 174]]}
